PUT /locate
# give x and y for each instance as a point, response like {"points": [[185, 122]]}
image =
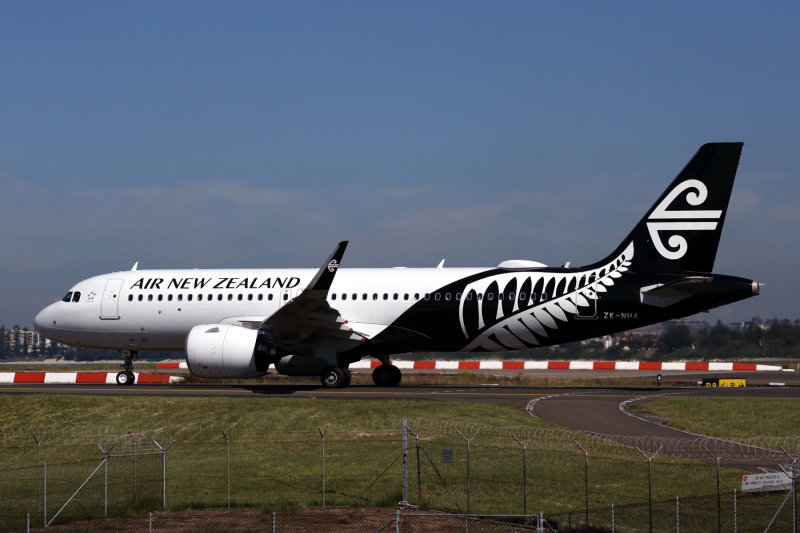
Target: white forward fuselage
{"points": [[153, 310]]}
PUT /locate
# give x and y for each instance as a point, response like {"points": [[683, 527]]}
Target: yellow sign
{"points": [[725, 382]]}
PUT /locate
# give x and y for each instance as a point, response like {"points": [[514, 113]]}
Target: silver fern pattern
{"points": [[515, 310]]}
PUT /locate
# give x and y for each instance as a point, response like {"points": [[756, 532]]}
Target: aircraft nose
{"points": [[44, 321]]}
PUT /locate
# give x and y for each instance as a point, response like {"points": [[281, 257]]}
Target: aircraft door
{"points": [[286, 296], [109, 306]]}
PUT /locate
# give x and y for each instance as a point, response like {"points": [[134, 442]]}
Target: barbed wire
{"points": [[691, 447]]}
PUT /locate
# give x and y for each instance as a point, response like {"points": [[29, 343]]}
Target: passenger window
{"points": [[522, 296], [394, 297], [260, 297], [240, 297], [437, 296], [533, 296], [67, 297], [230, 297], [510, 295], [490, 296], [141, 297], [374, 295], [385, 296], [364, 296], [333, 296], [447, 296], [189, 297], [285, 297], [405, 296], [269, 297], [219, 297], [544, 296], [210, 297], [344, 296], [160, 297], [150, 298], [480, 296], [169, 297], [458, 296], [180, 297], [199, 297], [469, 296], [130, 297], [249, 297], [416, 296], [427, 296], [354, 296]]}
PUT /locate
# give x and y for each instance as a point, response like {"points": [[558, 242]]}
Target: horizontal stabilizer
{"points": [[666, 294]]}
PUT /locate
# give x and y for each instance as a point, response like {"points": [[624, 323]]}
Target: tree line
{"points": [[775, 338]]}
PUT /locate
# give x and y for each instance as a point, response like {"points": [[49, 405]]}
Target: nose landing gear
{"points": [[126, 376]]}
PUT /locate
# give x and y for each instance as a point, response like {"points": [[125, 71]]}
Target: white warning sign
{"points": [[764, 482]]}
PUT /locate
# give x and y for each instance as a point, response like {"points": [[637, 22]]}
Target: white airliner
{"points": [[235, 323]]}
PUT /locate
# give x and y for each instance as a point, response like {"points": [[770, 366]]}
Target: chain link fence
{"points": [[523, 477]]}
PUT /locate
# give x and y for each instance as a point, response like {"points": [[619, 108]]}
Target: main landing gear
{"points": [[126, 377], [386, 375], [335, 377]]}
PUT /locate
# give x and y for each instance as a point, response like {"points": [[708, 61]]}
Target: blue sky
{"points": [[250, 134]]}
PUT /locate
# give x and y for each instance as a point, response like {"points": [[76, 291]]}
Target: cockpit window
{"points": [[76, 297], [67, 297]]}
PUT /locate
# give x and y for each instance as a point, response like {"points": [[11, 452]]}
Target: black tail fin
{"points": [[682, 229]]}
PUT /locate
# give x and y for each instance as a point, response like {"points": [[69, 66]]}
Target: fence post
{"points": [[419, 469], [135, 439], [44, 492], [719, 497], [677, 515], [524, 476], [612, 518], [469, 442], [795, 475], [585, 482], [649, 485], [39, 467], [227, 438], [164, 472], [322, 436], [405, 463], [105, 477], [735, 515]]}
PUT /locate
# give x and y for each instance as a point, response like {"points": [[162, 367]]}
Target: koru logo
{"points": [[694, 220], [333, 265]]}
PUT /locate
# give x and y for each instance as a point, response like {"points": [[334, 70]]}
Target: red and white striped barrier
{"points": [[551, 365], [62, 378]]}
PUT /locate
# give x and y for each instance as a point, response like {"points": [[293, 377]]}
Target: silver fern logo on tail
{"points": [[515, 310], [690, 220]]}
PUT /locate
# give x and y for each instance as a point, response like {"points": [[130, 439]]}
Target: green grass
{"points": [[729, 417], [276, 459]]}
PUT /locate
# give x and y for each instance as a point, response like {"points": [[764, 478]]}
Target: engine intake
{"points": [[228, 351]]}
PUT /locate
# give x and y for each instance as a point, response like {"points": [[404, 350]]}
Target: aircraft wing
{"points": [[666, 294], [309, 314]]}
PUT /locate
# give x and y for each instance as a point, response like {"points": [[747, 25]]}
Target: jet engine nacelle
{"points": [[227, 351]]}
